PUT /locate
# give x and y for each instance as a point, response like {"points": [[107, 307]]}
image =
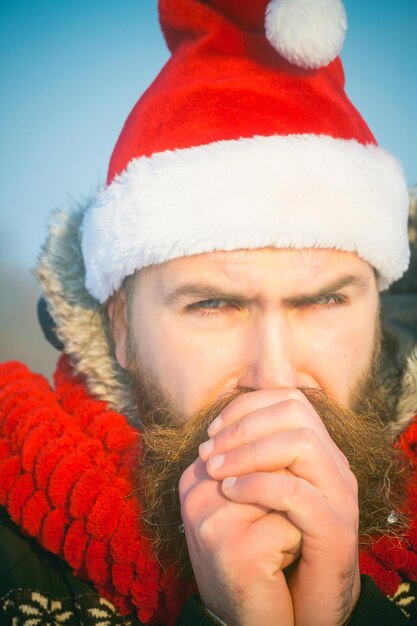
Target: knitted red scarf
{"points": [[67, 477]]}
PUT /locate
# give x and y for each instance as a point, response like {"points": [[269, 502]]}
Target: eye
{"points": [[330, 300], [211, 307], [211, 304]]}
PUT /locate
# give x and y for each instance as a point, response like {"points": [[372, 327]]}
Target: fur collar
{"points": [[81, 322]]}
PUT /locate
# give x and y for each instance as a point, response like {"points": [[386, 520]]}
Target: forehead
{"points": [[284, 267]]}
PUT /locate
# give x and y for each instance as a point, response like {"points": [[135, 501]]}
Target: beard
{"points": [[169, 444]]}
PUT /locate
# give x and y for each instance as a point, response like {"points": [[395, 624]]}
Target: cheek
{"points": [[339, 356], [356, 359], [192, 369], [357, 340]]}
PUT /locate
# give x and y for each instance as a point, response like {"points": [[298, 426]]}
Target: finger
{"points": [[285, 415], [210, 517], [215, 521], [251, 401], [200, 495], [302, 502], [277, 538], [300, 451]]}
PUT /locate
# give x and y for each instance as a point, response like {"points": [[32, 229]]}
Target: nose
{"points": [[270, 360]]}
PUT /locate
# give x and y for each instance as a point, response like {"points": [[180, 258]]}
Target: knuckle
{"points": [[294, 407], [298, 395], [307, 439], [252, 452], [190, 505], [209, 531], [350, 480], [344, 459], [298, 492], [237, 431]]}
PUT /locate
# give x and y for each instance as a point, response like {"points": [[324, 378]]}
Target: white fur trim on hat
{"points": [[296, 191], [308, 33]]}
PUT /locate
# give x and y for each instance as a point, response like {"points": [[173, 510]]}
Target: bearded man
{"points": [[219, 445]]}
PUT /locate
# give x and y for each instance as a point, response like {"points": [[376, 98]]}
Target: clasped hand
{"points": [[270, 512]]}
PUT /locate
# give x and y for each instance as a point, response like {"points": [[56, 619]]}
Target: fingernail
{"points": [[229, 482], [206, 448], [216, 461], [215, 426]]}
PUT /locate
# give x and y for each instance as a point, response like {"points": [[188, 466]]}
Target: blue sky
{"points": [[70, 71]]}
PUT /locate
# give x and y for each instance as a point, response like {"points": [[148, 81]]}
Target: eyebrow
{"points": [[201, 291], [209, 292], [350, 280]]}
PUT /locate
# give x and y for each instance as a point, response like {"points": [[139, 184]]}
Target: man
{"points": [[218, 447]]}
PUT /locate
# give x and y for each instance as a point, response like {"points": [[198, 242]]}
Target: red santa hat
{"points": [[246, 139]]}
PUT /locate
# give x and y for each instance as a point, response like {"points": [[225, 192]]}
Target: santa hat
{"points": [[246, 139]]}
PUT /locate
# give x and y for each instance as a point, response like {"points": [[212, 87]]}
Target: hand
{"points": [[285, 465], [225, 541]]}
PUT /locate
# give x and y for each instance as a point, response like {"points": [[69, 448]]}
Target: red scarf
{"points": [[67, 479]]}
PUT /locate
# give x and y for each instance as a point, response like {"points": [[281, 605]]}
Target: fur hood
{"points": [[80, 322]]}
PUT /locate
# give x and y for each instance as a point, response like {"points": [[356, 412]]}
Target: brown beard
{"points": [[170, 445]]}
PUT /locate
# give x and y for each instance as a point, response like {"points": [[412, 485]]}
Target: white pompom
{"points": [[308, 33]]}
